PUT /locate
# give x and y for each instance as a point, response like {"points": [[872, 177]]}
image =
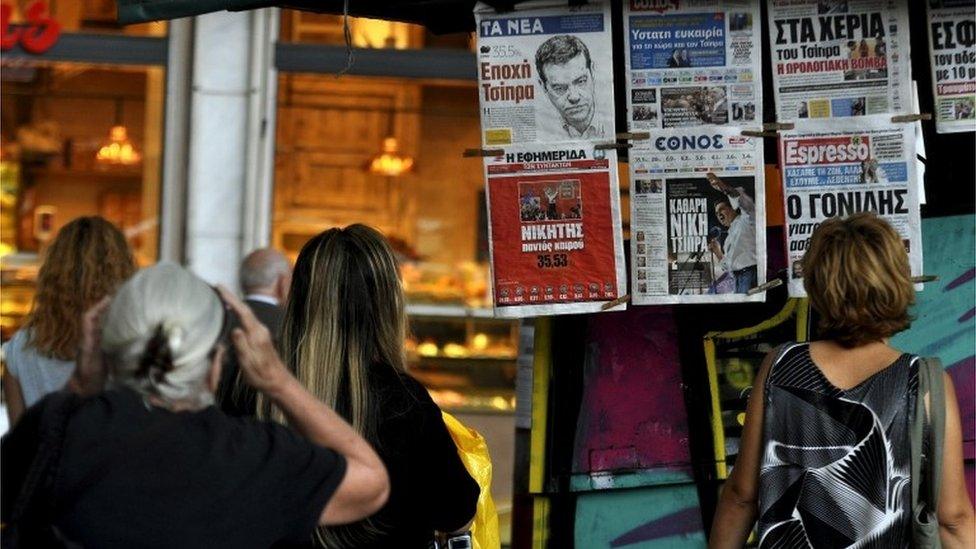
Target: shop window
{"points": [[327, 29], [75, 139], [83, 16], [329, 133]]}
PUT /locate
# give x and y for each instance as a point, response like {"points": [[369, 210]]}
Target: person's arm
{"points": [[957, 527], [89, 375], [365, 487], [742, 201], [13, 396], [737, 506]]}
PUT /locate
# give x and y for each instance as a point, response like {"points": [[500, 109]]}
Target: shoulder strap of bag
{"points": [[31, 504], [936, 433], [928, 426]]}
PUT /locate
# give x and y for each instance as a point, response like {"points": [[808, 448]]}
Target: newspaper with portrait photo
{"points": [[839, 167], [839, 58], [545, 73], [697, 217], [692, 63]]}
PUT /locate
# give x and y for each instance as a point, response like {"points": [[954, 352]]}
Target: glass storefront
{"points": [[76, 138]]}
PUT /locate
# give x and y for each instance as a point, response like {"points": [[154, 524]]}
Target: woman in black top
{"points": [[149, 462], [343, 338]]}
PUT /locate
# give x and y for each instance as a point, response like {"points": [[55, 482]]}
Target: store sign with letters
{"points": [[36, 35]]}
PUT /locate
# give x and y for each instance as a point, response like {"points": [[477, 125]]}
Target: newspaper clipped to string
{"points": [[839, 58], [952, 44], [545, 73], [839, 167], [698, 220], [693, 63], [554, 230]]}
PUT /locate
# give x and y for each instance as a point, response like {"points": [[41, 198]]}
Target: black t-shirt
{"points": [[155, 478], [430, 489]]}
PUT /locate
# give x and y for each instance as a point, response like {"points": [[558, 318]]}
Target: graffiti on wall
{"points": [[944, 324], [633, 353], [633, 433]]}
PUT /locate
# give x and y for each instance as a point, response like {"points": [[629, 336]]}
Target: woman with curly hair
{"points": [[88, 260]]}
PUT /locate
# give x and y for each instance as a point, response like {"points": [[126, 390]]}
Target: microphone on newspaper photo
{"points": [[714, 232]]}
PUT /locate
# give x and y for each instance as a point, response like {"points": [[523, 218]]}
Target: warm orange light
{"points": [[389, 163], [118, 149]]}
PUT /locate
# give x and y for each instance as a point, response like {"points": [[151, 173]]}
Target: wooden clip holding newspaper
{"points": [[777, 126], [753, 133], [924, 278], [609, 146], [767, 286], [478, 153], [900, 118], [634, 136], [611, 304]]}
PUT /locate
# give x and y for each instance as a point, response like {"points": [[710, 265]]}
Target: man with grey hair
{"points": [[265, 278]]}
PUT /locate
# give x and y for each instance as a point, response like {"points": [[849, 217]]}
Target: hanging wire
{"points": [[347, 34]]}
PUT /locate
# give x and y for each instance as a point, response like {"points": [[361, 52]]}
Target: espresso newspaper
{"points": [[839, 167], [692, 63], [698, 220], [952, 43], [554, 230], [839, 58], [545, 73]]}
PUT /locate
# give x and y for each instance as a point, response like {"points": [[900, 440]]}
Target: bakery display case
{"points": [[464, 357]]}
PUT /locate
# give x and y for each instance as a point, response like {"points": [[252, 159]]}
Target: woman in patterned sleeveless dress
{"points": [[826, 456]]}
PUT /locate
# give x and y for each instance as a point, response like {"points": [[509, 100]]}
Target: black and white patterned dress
{"points": [[836, 464]]}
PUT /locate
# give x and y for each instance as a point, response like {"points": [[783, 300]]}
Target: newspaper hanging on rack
{"points": [[545, 73], [693, 63], [839, 58], [698, 217], [554, 230], [952, 44], [839, 167]]}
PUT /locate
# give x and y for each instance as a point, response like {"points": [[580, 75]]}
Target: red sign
{"points": [[37, 36]]}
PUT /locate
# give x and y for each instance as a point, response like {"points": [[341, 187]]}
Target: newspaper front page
{"points": [[554, 230], [545, 73], [952, 43], [692, 64], [839, 58], [697, 238], [839, 167]]}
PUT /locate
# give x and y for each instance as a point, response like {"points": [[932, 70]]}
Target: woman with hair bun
{"points": [[149, 462], [87, 260], [826, 457]]}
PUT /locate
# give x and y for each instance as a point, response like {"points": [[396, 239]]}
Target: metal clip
{"points": [[924, 278]]}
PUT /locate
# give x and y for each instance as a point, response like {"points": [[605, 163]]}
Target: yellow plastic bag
{"points": [[474, 453]]}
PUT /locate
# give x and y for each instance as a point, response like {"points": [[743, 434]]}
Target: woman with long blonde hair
{"points": [[343, 337], [88, 259]]}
